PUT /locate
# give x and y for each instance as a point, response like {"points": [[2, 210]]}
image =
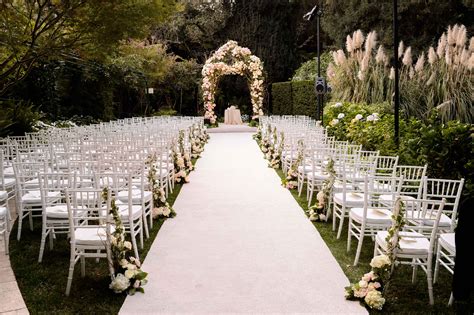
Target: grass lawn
{"points": [[43, 284], [402, 297]]}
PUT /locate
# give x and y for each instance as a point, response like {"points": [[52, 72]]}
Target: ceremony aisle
{"points": [[240, 244]]}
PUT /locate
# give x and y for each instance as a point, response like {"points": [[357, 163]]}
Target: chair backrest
{"points": [[448, 189], [375, 186], [413, 179], [87, 208], [421, 217], [386, 165]]}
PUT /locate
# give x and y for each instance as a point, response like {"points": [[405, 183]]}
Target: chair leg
{"points": [[20, 223], [359, 246], [72, 262], [141, 232], [83, 265], [415, 270], [429, 276], [30, 219], [334, 217], [349, 235], [42, 244], [147, 233], [451, 299], [134, 243], [341, 222], [52, 236], [436, 270]]}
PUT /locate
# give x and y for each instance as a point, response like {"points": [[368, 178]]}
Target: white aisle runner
{"points": [[239, 244]]}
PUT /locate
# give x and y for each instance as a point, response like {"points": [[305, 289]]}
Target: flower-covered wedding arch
{"points": [[227, 60]]}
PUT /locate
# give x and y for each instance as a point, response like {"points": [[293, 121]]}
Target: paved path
{"points": [[240, 244], [11, 300]]}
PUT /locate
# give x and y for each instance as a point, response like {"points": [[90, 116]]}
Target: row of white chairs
{"points": [[365, 190]]}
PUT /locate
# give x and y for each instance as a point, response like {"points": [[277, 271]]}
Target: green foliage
{"points": [[281, 98], [17, 118], [293, 98], [35, 30], [304, 98], [420, 20], [445, 82], [165, 112], [309, 69], [447, 148]]}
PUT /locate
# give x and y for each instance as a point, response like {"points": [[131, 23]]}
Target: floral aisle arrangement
{"points": [[127, 275], [265, 143], [372, 285], [198, 137], [182, 161], [291, 180], [232, 59], [318, 212], [258, 135], [275, 159], [161, 207], [273, 144]]}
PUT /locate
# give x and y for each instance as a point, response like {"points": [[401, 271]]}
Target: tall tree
{"points": [[33, 30], [267, 27]]}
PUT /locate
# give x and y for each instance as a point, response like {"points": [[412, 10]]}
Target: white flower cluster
{"points": [[243, 63]]}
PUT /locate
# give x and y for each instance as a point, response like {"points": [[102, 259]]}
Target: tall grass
{"points": [[441, 78]]}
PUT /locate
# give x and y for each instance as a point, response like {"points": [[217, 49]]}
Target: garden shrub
{"points": [[447, 148], [282, 98], [304, 98]]}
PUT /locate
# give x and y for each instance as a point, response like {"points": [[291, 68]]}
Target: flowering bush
{"points": [[232, 59], [447, 148], [127, 277]]}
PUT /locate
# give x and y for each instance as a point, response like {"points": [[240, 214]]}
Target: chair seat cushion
{"points": [[317, 175], [136, 195], [374, 216], [339, 186], [34, 196], [446, 240], [95, 235], [8, 182], [60, 211], [3, 211], [136, 211], [8, 171], [3, 195], [305, 168], [352, 199], [411, 243]]}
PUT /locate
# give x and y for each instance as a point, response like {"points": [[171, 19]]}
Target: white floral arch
{"points": [[230, 58]]}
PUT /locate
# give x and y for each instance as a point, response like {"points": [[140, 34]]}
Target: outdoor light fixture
{"points": [[320, 85], [150, 90]]}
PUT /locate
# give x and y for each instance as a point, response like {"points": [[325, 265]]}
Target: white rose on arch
{"points": [[244, 63]]}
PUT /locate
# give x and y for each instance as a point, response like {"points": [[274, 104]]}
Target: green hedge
{"points": [[293, 98], [304, 99], [281, 98]]}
